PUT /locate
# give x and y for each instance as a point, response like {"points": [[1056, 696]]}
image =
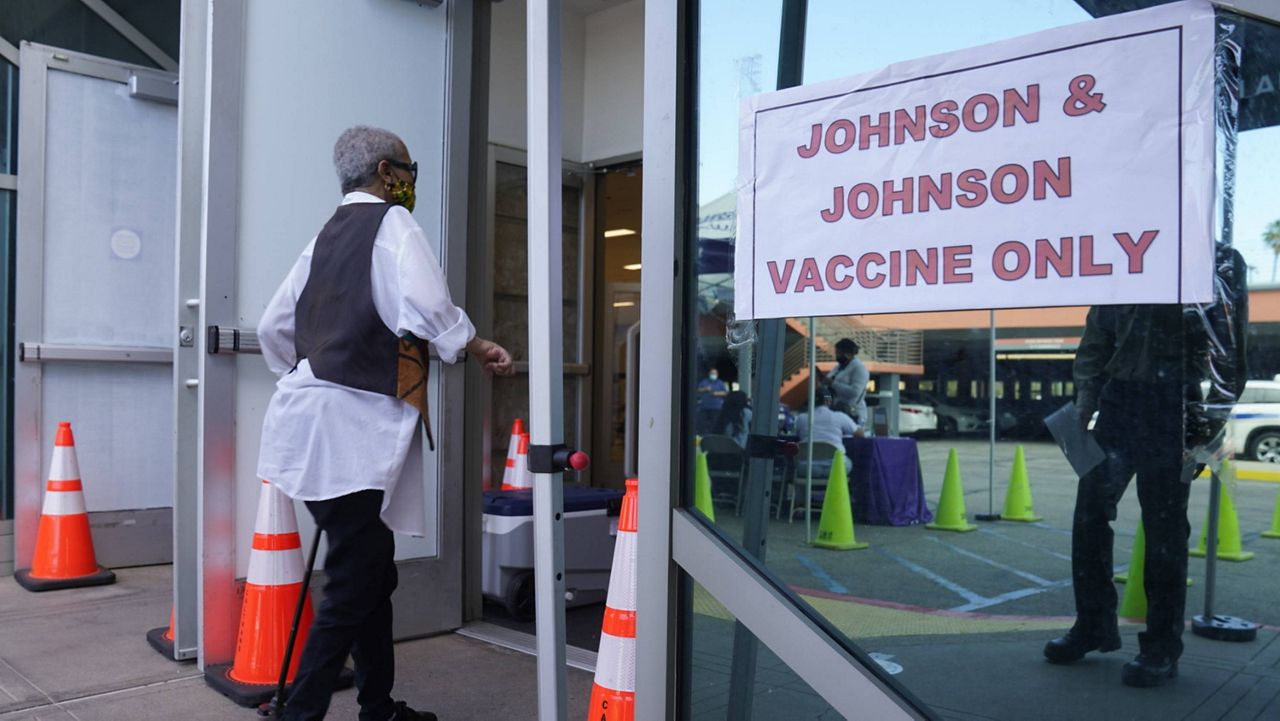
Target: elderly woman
{"points": [[348, 334]]}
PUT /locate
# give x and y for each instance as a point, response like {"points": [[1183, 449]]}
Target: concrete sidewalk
{"points": [[82, 654]]}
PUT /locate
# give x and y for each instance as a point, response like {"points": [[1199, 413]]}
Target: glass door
{"points": [[95, 292]]}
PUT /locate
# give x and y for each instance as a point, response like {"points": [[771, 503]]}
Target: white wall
{"points": [[508, 77], [313, 69], [614, 82]]}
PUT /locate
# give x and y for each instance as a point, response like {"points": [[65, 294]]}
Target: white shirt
{"points": [[828, 426], [321, 440]]}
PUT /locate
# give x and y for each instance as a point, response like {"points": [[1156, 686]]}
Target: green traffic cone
{"points": [[1230, 547], [1139, 558], [951, 513], [1274, 531], [835, 525], [1134, 603], [1017, 500], [702, 483]]}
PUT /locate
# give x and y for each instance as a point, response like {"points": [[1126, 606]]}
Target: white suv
{"points": [[1254, 428]]}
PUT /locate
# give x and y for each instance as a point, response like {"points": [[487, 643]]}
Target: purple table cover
{"points": [[885, 483]]}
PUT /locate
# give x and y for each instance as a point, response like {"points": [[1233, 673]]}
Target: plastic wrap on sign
{"points": [[1217, 333], [1157, 375]]}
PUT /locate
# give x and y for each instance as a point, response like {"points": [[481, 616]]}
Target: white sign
{"points": [[1069, 167]]}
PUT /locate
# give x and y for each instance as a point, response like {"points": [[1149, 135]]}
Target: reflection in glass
{"points": [[8, 118], [777, 694], [966, 606]]}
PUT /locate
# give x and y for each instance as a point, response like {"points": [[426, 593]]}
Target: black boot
{"points": [[404, 713], [1076, 643], [1149, 670]]}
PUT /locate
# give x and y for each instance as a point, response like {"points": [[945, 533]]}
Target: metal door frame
{"points": [[30, 352], [603, 430], [671, 540]]}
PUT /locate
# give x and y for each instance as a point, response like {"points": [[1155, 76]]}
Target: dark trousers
{"points": [[355, 616], [1140, 426]]}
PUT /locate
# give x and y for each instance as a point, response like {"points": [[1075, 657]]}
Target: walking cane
{"points": [[275, 707]]}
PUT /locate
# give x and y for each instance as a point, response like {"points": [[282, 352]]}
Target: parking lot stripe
{"points": [[993, 563], [819, 573], [1011, 539], [1012, 596], [968, 595]]}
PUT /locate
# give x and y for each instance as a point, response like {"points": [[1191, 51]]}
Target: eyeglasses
{"points": [[410, 168]]}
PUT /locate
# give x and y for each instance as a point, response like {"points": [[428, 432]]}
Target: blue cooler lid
{"points": [[576, 498]]}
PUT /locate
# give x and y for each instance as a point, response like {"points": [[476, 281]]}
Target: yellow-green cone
{"points": [[1134, 603], [1274, 531], [835, 526], [702, 483], [1017, 500], [1230, 547], [951, 513]]}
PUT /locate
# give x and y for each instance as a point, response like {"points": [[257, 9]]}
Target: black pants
{"points": [[355, 616], [1140, 426]]}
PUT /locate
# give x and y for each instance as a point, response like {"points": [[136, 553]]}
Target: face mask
{"points": [[404, 193], [713, 376]]}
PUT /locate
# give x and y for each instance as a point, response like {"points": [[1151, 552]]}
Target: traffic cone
{"points": [[613, 694], [1230, 547], [951, 513], [521, 478], [835, 525], [64, 545], [1139, 558], [702, 483], [161, 639], [270, 599], [1017, 499], [1274, 531], [508, 474], [1134, 603]]}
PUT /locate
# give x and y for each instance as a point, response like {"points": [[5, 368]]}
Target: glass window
{"points": [[8, 118], [511, 305], [71, 25], [775, 691], [969, 615]]}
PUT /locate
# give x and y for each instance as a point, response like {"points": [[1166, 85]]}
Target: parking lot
{"points": [[1004, 589]]}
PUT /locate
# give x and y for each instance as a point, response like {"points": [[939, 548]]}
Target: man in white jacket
{"points": [[348, 334]]}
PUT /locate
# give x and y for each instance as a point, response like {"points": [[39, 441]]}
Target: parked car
{"points": [[912, 417], [952, 418], [1253, 429]]}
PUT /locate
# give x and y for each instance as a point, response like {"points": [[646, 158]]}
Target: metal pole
{"points": [[546, 360], [764, 422], [991, 514], [1211, 544], [808, 476], [1211, 625]]}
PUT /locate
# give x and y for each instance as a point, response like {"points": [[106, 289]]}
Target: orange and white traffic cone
{"points": [[64, 555], [161, 638], [508, 474], [270, 599], [613, 695], [521, 477]]}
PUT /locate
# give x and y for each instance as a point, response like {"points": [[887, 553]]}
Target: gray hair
{"points": [[357, 153]]}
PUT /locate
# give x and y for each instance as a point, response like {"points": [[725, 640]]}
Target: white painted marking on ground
{"points": [[968, 595], [993, 563]]}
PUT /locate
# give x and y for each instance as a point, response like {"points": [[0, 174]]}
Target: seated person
{"points": [[828, 425], [734, 418]]}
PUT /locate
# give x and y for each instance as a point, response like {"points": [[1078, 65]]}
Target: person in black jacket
{"points": [[1140, 367]]}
